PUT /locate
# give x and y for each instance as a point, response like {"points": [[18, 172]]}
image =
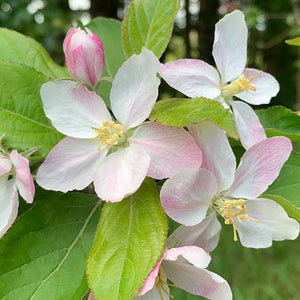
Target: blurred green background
{"points": [[272, 273]]}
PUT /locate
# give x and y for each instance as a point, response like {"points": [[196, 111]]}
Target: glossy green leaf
{"points": [[148, 23], [109, 31], [293, 42], [182, 112], [21, 110], [278, 120], [128, 243], [43, 256], [19, 48]]}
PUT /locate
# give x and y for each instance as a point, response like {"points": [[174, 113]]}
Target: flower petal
{"points": [[192, 77], [5, 165], [259, 167], [205, 234], [73, 109], [230, 45], [247, 124], [274, 224], [135, 89], [70, 165], [217, 157], [8, 204], [121, 173], [154, 294], [186, 196], [266, 88], [171, 149], [24, 179]]}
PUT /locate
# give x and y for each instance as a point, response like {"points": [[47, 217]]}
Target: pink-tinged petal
{"points": [[135, 89], [150, 281], [230, 45], [247, 124], [24, 179], [194, 78], [189, 254], [205, 234], [8, 204], [266, 88], [197, 281], [121, 173], [274, 224], [217, 157], [259, 167], [154, 294], [186, 196], [91, 297], [73, 109], [70, 165], [5, 165], [171, 149]]}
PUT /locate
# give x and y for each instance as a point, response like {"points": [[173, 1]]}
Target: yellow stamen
{"points": [[161, 281], [239, 85]]}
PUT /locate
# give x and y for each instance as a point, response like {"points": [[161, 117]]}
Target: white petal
{"points": [[266, 88], [5, 165], [73, 109], [192, 77], [247, 124], [217, 157], [135, 89], [230, 45], [154, 294], [121, 173], [274, 224], [70, 165]]}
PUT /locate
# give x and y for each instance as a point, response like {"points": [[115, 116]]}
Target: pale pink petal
{"points": [[197, 281], [205, 234], [186, 196], [274, 224], [247, 124], [121, 173], [73, 109], [194, 78], [24, 179], [259, 167], [91, 297], [217, 155], [230, 45], [266, 88], [171, 149], [5, 165], [150, 281], [135, 89], [70, 165], [8, 204], [154, 294]]}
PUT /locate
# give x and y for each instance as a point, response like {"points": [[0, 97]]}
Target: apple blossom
{"points": [[195, 78], [115, 154], [84, 56], [218, 188]]}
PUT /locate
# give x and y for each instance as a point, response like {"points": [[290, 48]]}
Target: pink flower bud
{"points": [[84, 56]]}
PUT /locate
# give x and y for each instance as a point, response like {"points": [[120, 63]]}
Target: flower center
{"points": [[230, 209], [110, 134], [239, 85], [161, 281]]}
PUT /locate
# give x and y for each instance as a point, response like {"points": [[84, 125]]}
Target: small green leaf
{"points": [[19, 48], [293, 42], [148, 23], [278, 120], [129, 241], [43, 256], [182, 112], [21, 110]]}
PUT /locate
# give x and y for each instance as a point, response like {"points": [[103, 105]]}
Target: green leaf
{"points": [[293, 42], [182, 112], [129, 241], [278, 120], [148, 23], [21, 110], [43, 256], [287, 184], [291, 209], [109, 31], [19, 48]]}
